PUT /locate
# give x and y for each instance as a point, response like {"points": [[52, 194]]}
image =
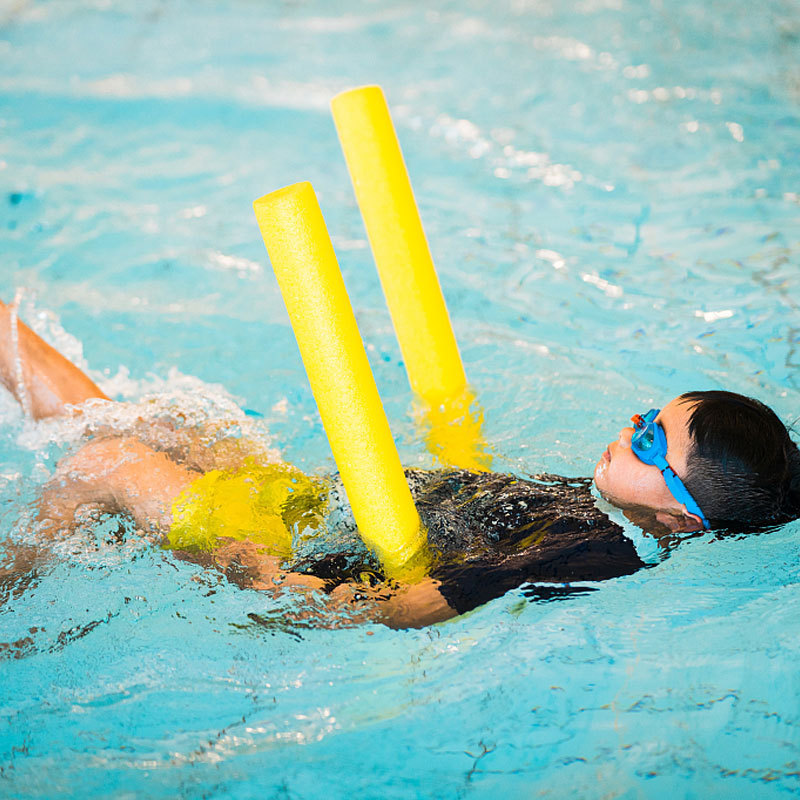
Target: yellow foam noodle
{"points": [[447, 408], [452, 430], [313, 290], [384, 195]]}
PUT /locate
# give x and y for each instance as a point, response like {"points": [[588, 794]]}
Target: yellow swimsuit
{"points": [[262, 504]]}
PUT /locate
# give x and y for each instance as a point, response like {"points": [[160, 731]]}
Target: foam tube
{"points": [[451, 417], [313, 290], [398, 242]]}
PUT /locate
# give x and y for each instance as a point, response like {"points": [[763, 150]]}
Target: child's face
{"points": [[627, 482]]}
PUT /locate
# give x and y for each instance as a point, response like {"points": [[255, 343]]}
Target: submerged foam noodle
{"points": [[453, 432], [259, 503]]}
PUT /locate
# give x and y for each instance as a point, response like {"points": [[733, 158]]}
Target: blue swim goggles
{"points": [[649, 445]]}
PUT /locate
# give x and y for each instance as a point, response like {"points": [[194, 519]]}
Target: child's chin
{"points": [[600, 476]]}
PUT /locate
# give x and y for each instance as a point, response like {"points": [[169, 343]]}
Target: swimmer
{"points": [[710, 460]]}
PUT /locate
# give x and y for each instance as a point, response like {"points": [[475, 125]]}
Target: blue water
{"points": [[611, 191]]}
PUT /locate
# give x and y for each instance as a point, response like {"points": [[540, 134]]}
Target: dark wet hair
{"points": [[742, 468]]}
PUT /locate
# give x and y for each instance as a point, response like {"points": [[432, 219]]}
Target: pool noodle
{"points": [[383, 191], [398, 242], [313, 290]]}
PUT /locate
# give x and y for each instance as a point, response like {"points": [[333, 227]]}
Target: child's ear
{"points": [[670, 521], [684, 522], [691, 522]]}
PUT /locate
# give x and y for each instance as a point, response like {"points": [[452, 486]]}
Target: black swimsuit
{"points": [[491, 532]]}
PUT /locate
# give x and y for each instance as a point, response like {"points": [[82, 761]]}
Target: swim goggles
{"points": [[649, 445]]}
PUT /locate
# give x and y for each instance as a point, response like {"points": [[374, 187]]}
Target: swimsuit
{"points": [[494, 532]]}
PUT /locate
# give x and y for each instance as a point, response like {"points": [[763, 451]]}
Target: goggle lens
{"points": [[644, 435]]}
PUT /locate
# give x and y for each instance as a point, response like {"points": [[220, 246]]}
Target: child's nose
{"points": [[625, 437]]}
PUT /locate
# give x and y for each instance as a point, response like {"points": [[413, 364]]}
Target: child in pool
{"points": [[706, 460]]}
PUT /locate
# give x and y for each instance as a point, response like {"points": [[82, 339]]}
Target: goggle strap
{"points": [[663, 465]]}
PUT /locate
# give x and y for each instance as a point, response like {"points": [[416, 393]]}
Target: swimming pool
{"points": [[612, 195]]}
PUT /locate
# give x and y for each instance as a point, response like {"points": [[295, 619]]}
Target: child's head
{"points": [[731, 454]]}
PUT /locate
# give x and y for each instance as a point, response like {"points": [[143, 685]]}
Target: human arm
{"points": [[396, 605], [42, 380]]}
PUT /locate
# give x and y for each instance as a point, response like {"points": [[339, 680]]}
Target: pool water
{"points": [[611, 190]]}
